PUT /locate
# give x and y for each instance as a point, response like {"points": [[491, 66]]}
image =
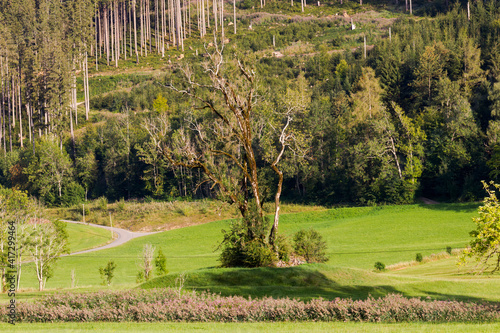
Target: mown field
{"points": [[84, 237], [252, 327]]}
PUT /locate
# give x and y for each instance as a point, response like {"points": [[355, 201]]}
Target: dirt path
{"points": [[123, 236]]}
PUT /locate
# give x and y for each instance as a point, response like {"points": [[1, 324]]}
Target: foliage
{"points": [[418, 257], [107, 272], [161, 263], [167, 305], [379, 266], [47, 241], [146, 261], [310, 244], [244, 244], [485, 245], [49, 171], [284, 247]]}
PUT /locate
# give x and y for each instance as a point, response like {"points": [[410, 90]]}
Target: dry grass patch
{"points": [[433, 257], [160, 215]]}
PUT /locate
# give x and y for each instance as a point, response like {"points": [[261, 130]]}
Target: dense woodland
{"points": [[416, 115]]}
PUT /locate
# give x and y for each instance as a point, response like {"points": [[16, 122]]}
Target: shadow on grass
{"points": [[455, 207], [303, 282]]}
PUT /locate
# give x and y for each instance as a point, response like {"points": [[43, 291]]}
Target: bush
{"points": [[419, 257], [310, 245], [257, 254], [448, 250], [107, 272], [161, 263], [121, 205], [72, 194], [284, 247], [102, 202], [245, 245], [379, 266], [237, 252]]}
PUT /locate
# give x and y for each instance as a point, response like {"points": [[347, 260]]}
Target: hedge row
{"points": [[166, 305]]}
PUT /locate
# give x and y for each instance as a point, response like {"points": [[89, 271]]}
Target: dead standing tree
{"points": [[222, 147], [220, 137]]}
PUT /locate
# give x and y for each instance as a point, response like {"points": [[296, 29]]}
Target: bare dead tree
{"points": [[224, 147]]}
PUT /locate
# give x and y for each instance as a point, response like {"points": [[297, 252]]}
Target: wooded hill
{"points": [[414, 113]]}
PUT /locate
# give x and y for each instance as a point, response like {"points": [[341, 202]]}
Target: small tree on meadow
{"points": [[485, 245], [161, 263], [148, 251], [107, 272]]}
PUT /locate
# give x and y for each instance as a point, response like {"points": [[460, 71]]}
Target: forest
{"points": [[417, 113]]}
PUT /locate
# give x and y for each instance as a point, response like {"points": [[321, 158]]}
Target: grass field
{"points": [[252, 327], [356, 237], [83, 237]]}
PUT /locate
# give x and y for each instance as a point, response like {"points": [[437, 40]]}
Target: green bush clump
{"points": [[284, 248], [238, 251], [257, 254], [419, 257], [245, 244], [72, 194], [379, 266], [310, 245], [448, 250]]}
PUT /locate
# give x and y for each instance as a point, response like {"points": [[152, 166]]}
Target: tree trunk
{"points": [[274, 228], [163, 28], [106, 34], [8, 113], [214, 7], [135, 30], [19, 108], [157, 27], [141, 15], [86, 86]]}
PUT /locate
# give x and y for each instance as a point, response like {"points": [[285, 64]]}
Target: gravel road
{"points": [[123, 236]]}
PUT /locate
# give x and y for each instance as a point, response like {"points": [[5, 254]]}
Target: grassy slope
{"points": [[357, 238], [83, 237]]}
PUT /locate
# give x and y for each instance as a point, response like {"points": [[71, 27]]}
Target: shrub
{"points": [[107, 272], [284, 247], [140, 276], [310, 245], [72, 194], [237, 252], [245, 245], [379, 266], [257, 254], [102, 203], [161, 263], [418, 257], [448, 250], [121, 205]]}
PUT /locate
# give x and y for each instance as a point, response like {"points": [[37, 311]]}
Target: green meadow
{"points": [[252, 327], [356, 237], [84, 237]]}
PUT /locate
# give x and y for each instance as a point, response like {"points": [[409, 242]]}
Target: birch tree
{"points": [[46, 244]]}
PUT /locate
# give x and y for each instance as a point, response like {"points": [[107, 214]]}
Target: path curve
{"points": [[123, 236]]}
